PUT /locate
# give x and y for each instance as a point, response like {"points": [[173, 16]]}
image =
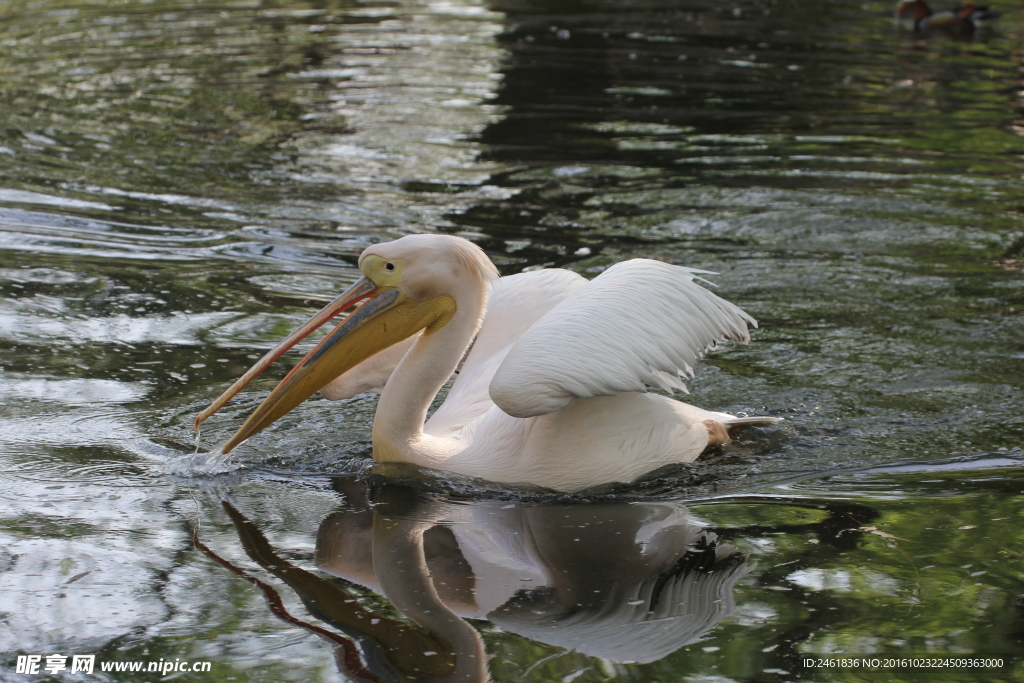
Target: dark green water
{"points": [[183, 183]]}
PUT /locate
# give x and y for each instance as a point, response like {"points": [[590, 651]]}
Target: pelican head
{"points": [[408, 285]]}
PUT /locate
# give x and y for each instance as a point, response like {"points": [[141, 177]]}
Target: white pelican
{"points": [[552, 391]]}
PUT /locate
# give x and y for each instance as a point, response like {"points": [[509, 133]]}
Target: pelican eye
{"points": [[389, 266]]}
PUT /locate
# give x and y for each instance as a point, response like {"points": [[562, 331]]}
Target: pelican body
{"points": [[552, 391]]}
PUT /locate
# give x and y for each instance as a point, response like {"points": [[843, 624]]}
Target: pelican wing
{"points": [[639, 324]]}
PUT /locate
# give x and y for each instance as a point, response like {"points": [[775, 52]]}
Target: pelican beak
{"points": [[360, 290], [387, 318]]}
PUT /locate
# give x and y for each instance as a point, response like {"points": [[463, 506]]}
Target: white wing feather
{"points": [[640, 323]]}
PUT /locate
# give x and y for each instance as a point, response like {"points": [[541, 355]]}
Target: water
{"points": [[181, 184]]}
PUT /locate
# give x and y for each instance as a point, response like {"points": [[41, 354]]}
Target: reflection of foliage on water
{"points": [[946, 583], [891, 588]]}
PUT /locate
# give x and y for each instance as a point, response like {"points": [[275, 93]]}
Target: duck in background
{"points": [[963, 20]]}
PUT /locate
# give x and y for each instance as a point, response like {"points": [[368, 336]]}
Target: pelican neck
{"points": [[398, 424]]}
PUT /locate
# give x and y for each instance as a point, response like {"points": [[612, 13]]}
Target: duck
{"points": [[966, 19], [553, 370]]}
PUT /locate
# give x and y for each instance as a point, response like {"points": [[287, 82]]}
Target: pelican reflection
{"points": [[628, 582]]}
